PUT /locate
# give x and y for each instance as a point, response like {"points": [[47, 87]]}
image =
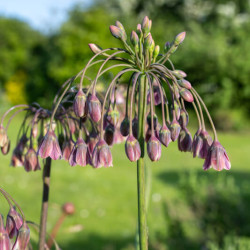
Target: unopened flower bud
{"points": [[146, 25], [4, 237], [95, 48], [132, 148], [139, 31], [13, 222], [124, 128], [165, 135], [3, 136], [184, 83], [79, 103], [176, 91], [175, 129], [167, 47], [23, 237], [134, 39], [154, 148], [186, 95], [94, 108], [217, 158], [117, 32], [119, 25], [201, 144], [102, 156], [6, 148], [135, 127], [156, 51], [179, 73], [148, 42], [177, 110], [183, 118], [113, 116], [179, 38], [185, 141], [68, 208], [109, 134], [155, 121]]}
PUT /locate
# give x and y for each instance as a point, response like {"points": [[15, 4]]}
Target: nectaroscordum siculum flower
{"points": [[15, 234], [93, 116]]}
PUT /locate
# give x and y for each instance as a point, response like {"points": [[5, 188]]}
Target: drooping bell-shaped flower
{"points": [[185, 140], [23, 237], [4, 237], [31, 162], [217, 158], [132, 148], [67, 149], [109, 134], [79, 103], [50, 146], [17, 158], [13, 222], [135, 127], [201, 144], [154, 148], [175, 129], [6, 148], [102, 156], [79, 154], [165, 135], [124, 127], [94, 108], [3, 136], [184, 118]]}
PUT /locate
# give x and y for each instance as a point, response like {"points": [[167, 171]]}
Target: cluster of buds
{"points": [[85, 123], [15, 233]]}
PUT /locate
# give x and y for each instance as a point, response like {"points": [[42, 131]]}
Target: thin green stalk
{"points": [[142, 218], [45, 203]]}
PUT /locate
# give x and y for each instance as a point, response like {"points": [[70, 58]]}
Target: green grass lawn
{"points": [[106, 199]]}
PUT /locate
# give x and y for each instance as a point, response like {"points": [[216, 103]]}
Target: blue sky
{"points": [[40, 14]]}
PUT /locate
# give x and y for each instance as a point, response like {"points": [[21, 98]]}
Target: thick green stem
{"points": [[45, 203], [142, 218]]}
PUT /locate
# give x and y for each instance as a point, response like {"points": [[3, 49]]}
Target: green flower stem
{"points": [[45, 203], [142, 219]]}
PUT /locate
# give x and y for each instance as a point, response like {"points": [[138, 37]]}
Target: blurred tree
{"points": [[216, 52], [16, 40]]}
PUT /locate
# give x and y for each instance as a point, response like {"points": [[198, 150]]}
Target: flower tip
{"points": [[180, 38]]}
